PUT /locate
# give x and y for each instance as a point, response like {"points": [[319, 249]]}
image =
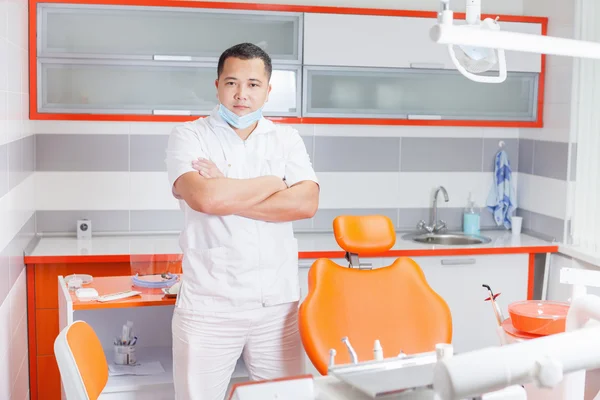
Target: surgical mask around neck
{"points": [[239, 122]]}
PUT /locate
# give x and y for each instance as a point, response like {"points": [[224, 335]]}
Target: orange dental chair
{"points": [[393, 304]]}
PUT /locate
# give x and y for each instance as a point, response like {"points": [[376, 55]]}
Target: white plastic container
{"points": [[125, 355]]}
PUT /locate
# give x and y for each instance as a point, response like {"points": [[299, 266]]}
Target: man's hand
{"points": [[207, 168]]}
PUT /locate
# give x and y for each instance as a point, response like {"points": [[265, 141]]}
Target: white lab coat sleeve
{"points": [[298, 166], [183, 147]]}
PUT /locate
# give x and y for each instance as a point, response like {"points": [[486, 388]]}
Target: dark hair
{"points": [[245, 51]]}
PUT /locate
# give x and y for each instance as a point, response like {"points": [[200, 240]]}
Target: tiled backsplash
{"points": [[146, 153], [19, 156], [393, 172], [541, 158]]}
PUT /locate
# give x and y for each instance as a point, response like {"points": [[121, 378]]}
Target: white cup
{"points": [[517, 223]]}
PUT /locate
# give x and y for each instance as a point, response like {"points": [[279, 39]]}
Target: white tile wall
{"points": [[150, 190], [401, 190], [88, 127], [412, 131], [16, 207], [13, 343], [82, 190], [558, 82], [543, 195]]}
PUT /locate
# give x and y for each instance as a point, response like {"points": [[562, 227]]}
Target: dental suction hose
{"points": [[545, 360]]}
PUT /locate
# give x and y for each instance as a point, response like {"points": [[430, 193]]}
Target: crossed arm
{"points": [[266, 198], [297, 202]]}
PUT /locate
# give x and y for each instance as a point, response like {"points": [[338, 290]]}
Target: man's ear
{"points": [[268, 92]]}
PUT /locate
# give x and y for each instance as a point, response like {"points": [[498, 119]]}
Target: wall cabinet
{"points": [[155, 60], [147, 87], [158, 63], [192, 34], [416, 94], [392, 42]]}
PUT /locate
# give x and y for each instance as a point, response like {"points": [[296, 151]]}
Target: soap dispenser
{"points": [[471, 218]]}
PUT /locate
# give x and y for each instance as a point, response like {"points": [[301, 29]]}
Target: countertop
{"points": [[125, 247]]}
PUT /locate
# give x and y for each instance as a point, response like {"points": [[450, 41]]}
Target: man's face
{"points": [[243, 86]]}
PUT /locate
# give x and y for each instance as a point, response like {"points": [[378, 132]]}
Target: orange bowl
{"points": [[539, 317]]}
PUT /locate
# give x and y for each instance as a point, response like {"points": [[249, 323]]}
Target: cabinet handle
{"points": [[425, 117], [158, 57], [427, 65], [459, 261], [304, 265], [171, 112]]}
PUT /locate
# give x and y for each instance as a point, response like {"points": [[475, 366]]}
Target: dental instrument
{"points": [[353, 356], [492, 299], [332, 354], [377, 351]]}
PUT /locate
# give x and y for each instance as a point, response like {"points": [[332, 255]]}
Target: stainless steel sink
{"points": [[449, 239]]}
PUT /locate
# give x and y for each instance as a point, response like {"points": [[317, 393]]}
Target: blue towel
{"points": [[502, 201]]}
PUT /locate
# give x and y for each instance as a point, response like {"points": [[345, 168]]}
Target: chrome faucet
{"points": [[433, 227]]}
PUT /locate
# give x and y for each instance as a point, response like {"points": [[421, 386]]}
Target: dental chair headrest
{"points": [[364, 235]]}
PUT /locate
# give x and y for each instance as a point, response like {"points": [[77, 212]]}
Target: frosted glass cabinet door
{"points": [[145, 32], [416, 93], [147, 87]]}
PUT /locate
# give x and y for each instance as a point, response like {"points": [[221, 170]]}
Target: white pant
{"points": [[207, 345]]}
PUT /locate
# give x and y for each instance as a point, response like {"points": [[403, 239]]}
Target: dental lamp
{"points": [[468, 59], [480, 39]]}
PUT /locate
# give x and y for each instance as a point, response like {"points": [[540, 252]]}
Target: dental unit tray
{"points": [[155, 281], [379, 379]]}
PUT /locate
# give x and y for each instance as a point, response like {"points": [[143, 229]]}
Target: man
{"points": [[242, 180]]}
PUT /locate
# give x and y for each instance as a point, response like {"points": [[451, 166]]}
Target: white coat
{"points": [[232, 262]]}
